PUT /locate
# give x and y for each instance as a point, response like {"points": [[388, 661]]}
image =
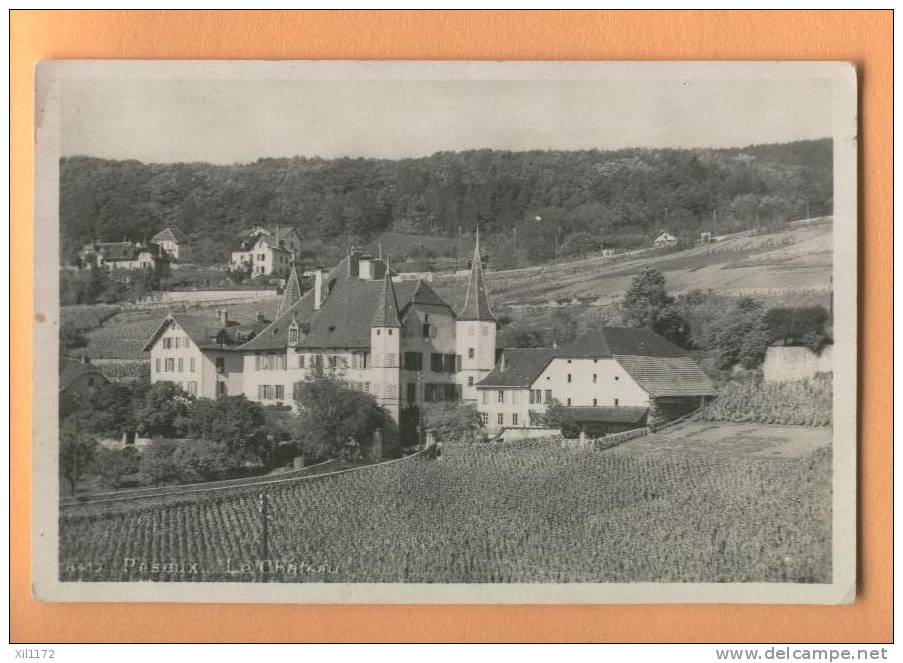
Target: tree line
{"points": [[558, 201]]}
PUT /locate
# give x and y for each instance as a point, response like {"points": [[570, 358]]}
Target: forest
{"points": [[557, 203]]}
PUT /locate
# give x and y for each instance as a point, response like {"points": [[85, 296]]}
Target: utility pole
{"points": [[808, 216], [557, 232], [515, 243], [714, 222]]}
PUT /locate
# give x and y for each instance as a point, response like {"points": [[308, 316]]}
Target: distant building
{"points": [[78, 382], [125, 255], [665, 240], [607, 380], [262, 250], [175, 244]]}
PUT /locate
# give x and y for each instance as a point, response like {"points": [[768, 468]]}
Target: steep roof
{"points": [[70, 371], [476, 301], [668, 376], [419, 292], [292, 293], [113, 251], [520, 367], [345, 316], [606, 414], [208, 332], [611, 341], [169, 234], [386, 313]]}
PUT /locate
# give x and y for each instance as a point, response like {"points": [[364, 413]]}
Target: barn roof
{"points": [[70, 371], [658, 366], [668, 376], [169, 234], [519, 367]]}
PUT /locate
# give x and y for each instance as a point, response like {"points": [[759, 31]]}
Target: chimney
{"points": [[354, 262], [320, 283], [223, 316]]}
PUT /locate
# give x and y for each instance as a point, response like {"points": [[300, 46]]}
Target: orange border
{"points": [[862, 37]]}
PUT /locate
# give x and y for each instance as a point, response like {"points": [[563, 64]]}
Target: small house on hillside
{"points": [[607, 380], [665, 240], [78, 382], [125, 255], [261, 250], [174, 243]]}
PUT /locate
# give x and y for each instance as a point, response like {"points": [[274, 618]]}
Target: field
{"points": [[696, 503], [798, 402], [791, 267]]}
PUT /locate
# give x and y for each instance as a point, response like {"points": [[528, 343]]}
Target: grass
{"points": [[680, 506]]}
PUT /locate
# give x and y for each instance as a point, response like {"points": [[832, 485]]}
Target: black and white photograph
{"points": [[441, 332]]}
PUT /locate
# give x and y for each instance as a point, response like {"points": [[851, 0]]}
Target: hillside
{"points": [[617, 197], [782, 266]]}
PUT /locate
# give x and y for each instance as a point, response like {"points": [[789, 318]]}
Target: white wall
{"points": [[611, 382], [795, 363], [480, 336], [186, 352]]}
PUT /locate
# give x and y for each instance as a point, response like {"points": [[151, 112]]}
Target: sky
{"points": [[238, 121]]}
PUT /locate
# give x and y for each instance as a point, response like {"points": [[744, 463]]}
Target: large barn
{"points": [[608, 380]]}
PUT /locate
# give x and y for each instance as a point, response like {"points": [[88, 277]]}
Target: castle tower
{"points": [[292, 292], [385, 349], [475, 330]]}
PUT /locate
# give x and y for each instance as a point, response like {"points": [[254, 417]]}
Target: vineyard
{"points": [[535, 511], [799, 402]]}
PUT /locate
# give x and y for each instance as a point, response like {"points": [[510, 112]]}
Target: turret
{"points": [[292, 293], [475, 330], [385, 348]]}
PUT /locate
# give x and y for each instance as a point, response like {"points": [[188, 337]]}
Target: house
{"points": [[261, 250], [79, 380], [200, 352], [607, 380], [665, 240], [174, 243], [125, 255]]}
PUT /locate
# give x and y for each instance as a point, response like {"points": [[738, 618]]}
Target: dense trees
{"points": [[618, 198], [335, 420], [452, 422], [647, 304], [78, 448]]}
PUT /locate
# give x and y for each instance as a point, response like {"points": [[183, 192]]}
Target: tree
{"points": [[233, 422], [647, 304], [163, 410], [157, 464], [646, 299], [114, 408], [741, 337], [203, 460], [78, 448], [333, 419], [798, 326], [113, 464], [455, 421], [554, 417]]}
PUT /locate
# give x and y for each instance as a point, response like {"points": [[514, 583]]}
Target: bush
{"points": [[201, 460], [157, 465], [799, 402], [113, 464]]}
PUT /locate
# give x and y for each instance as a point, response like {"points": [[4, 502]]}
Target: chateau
{"points": [[400, 342], [405, 345]]}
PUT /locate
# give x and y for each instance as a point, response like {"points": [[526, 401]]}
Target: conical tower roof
{"points": [[386, 314], [476, 302], [292, 293]]}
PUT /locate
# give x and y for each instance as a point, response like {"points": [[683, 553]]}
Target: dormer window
{"points": [[293, 334]]}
